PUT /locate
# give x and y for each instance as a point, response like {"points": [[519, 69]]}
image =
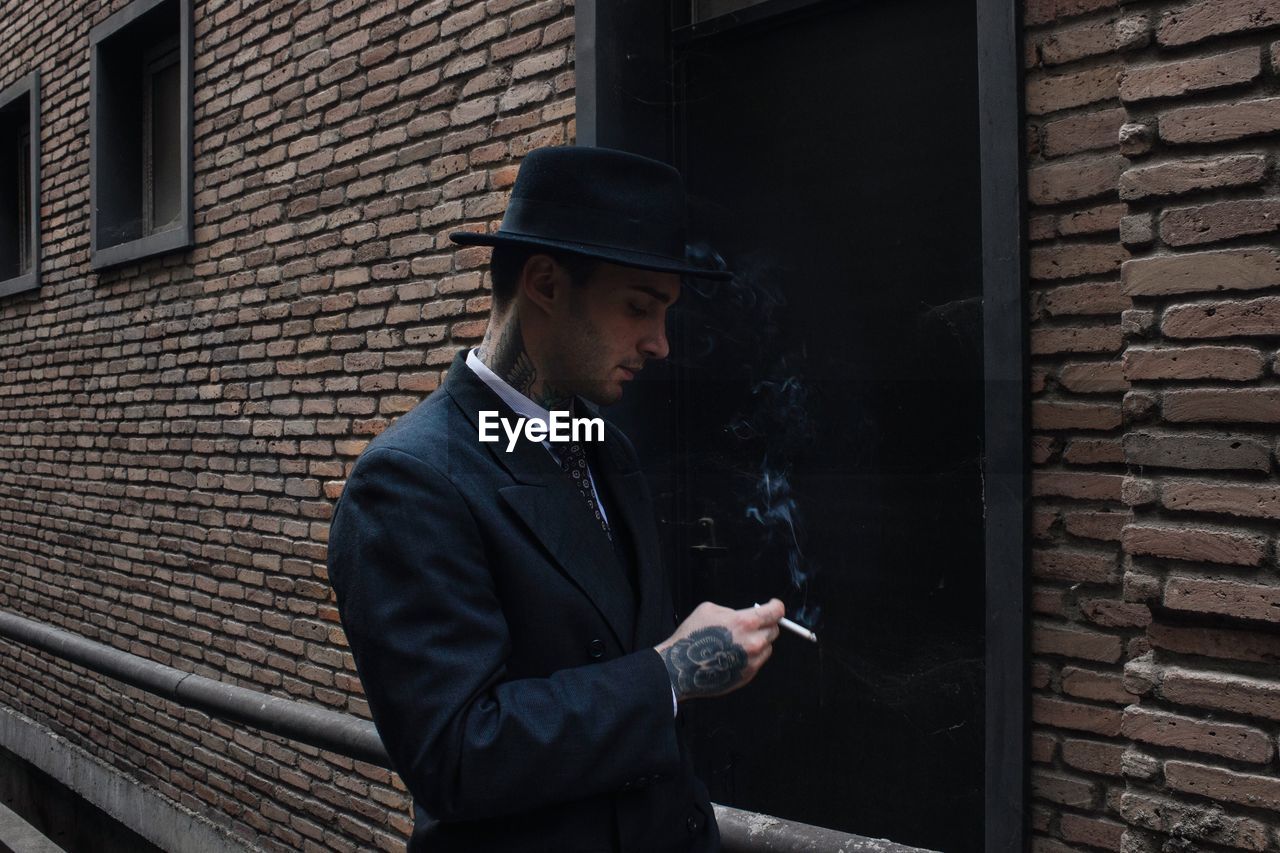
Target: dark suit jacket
{"points": [[508, 667]]}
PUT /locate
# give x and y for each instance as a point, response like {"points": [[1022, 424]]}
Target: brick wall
{"points": [[175, 431], [1152, 132]]}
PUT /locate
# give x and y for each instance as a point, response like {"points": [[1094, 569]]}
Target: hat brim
{"points": [[624, 257]]}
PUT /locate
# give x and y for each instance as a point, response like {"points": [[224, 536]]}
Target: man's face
{"points": [[610, 327]]}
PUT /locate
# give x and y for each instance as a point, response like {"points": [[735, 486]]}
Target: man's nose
{"points": [[655, 346]]}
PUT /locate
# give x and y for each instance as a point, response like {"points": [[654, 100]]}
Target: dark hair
{"points": [[508, 261]]}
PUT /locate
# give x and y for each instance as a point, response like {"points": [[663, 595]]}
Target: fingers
{"points": [[769, 614]]}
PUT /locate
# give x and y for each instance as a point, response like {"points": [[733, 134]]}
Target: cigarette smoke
{"points": [[774, 425]]}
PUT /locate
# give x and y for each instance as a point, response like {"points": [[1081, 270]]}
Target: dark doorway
{"points": [[819, 431]]}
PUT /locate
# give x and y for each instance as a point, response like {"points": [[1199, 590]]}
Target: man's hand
{"points": [[717, 649]]}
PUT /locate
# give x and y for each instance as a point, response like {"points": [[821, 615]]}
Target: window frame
{"points": [[28, 86], [180, 236]]}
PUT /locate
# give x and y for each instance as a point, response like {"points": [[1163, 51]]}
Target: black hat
{"points": [[599, 202]]}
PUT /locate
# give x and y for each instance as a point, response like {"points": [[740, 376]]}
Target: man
{"points": [[507, 610]]}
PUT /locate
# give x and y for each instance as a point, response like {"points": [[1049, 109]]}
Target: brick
{"points": [[1042, 227], [1203, 362], [539, 63], [1203, 823], [1077, 484], [1136, 138], [1063, 789], [1137, 229], [1223, 405], [1236, 318], [1191, 174], [1137, 322], [1195, 22], [1079, 339], [1139, 406], [1101, 377], [1046, 94], [1194, 543], [1074, 179], [1042, 520], [1197, 452], [1043, 448], [1177, 731], [1055, 415], [1041, 675], [1221, 784], [1199, 74], [1092, 756], [1222, 643], [1043, 747], [1038, 12], [1085, 299], [1073, 565], [1067, 44], [1239, 694], [1074, 643], [536, 13], [1220, 122], [1064, 9], [1098, 686], [1095, 832], [1093, 451], [1245, 500], [1089, 524], [1230, 598], [1208, 223], [1076, 716], [1069, 261], [1102, 219], [1115, 614], [1223, 269], [1088, 132]]}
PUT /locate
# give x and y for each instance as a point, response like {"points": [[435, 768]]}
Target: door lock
{"points": [[708, 547]]}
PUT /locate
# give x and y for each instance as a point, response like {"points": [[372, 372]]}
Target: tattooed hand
{"points": [[717, 649]]}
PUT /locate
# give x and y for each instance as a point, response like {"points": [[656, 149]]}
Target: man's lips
{"points": [[630, 371]]}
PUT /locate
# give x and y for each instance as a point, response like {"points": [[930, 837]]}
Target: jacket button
{"points": [[692, 824], [596, 648]]}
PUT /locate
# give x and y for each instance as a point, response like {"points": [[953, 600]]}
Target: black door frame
{"points": [[623, 97]]}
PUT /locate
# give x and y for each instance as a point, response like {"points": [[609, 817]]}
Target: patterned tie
{"points": [[573, 459]]}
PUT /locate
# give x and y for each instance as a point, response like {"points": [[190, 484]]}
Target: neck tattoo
{"points": [[505, 354]]}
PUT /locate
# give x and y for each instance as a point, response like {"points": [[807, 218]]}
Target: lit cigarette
{"points": [[796, 629]]}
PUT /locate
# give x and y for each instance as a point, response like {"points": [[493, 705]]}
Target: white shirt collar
{"points": [[518, 402], [522, 405]]}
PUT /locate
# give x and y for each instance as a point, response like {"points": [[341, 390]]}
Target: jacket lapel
{"points": [[540, 497]]}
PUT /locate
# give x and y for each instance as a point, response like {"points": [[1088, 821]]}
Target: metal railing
{"points": [[741, 831]]}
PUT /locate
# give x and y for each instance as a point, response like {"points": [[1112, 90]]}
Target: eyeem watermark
{"points": [[561, 427]]}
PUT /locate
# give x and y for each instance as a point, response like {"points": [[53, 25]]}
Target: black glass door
{"points": [[819, 437]]}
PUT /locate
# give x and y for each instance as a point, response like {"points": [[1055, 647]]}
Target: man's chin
{"points": [[605, 394]]}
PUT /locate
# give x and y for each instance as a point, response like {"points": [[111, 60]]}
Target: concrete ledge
{"points": [[146, 811], [752, 832], [18, 836]]}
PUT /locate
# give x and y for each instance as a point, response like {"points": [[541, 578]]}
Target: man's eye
{"points": [[637, 310]]}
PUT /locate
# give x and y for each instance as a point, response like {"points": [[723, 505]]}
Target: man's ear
{"points": [[541, 281]]}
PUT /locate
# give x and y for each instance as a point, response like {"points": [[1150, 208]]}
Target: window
{"points": [[20, 186], [140, 132]]}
